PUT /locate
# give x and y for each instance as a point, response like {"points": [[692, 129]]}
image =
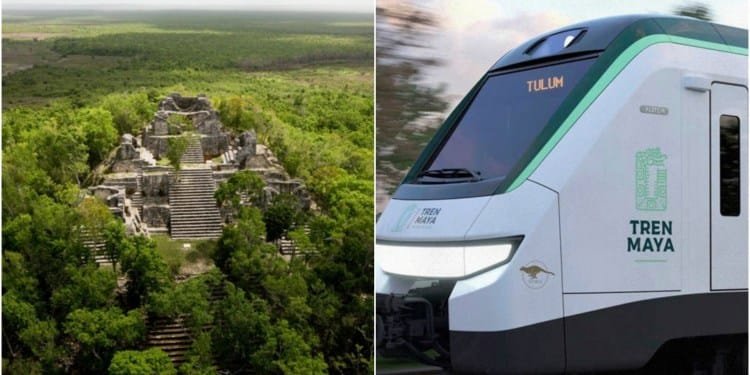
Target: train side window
{"points": [[729, 160]]}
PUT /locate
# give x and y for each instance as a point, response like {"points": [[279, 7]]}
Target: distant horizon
{"points": [[300, 6], [6, 9]]}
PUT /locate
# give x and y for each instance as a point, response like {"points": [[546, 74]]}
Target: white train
{"points": [[584, 208]]}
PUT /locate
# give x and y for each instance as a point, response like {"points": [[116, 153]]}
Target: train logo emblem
{"points": [[535, 274], [650, 180]]}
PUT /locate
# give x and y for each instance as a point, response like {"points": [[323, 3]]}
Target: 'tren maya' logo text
{"points": [[650, 235], [427, 216], [544, 84]]}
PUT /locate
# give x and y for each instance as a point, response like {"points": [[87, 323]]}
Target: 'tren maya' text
{"points": [[650, 235], [427, 216]]}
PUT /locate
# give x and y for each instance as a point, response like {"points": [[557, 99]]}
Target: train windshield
{"points": [[502, 123]]}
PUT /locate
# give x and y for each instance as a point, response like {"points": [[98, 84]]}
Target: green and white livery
{"points": [[584, 208]]}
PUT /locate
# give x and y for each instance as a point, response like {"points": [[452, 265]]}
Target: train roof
{"points": [[601, 34]]}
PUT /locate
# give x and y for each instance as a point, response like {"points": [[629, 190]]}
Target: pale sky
{"points": [[357, 6], [474, 34]]}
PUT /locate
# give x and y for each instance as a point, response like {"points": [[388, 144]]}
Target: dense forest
{"points": [[73, 84]]}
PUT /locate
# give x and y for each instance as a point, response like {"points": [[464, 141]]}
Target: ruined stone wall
{"points": [[156, 215], [126, 180], [155, 187]]}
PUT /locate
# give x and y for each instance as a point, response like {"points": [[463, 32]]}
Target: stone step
{"points": [[187, 215], [192, 201], [198, 231], [206, 194], [196, 207], [171, 329], [194, 171], [194, 191], [204, 190], [177, 347], [196, 224], [194, 178], [193, 181], [201, 213], [204, 212], [168, 328], [196, 221], [208, 204], [159, 340], [195, 195], [203, 186], [193, 211], [185, 222], [186, 197], [197, 238]]}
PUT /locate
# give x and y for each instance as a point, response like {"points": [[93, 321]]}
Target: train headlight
{"points": [[448, 260]]}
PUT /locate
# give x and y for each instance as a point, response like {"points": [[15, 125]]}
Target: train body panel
{"points": [[584, 246]]}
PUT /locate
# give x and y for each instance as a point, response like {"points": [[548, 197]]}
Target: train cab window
{"points": [[506, 117], [729, 150]]}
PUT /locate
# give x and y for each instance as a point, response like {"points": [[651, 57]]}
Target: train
{"points": [[582, 209]]}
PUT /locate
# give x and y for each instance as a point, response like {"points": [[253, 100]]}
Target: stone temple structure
{"points": [[151, 197]]}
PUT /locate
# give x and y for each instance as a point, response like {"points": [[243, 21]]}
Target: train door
{"points": [[728, 192]]}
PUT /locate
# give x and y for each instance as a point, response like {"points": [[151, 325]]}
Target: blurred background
{"points": [[430, 53]]}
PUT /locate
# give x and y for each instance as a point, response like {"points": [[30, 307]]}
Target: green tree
{"points": [[17, 278], [243, 332], [407, 107], [177, 147], [189, 299], [98, 334], [129, 111], [23, 180], [243, 182], [238, 115], [281, 215], [21, 365], [48, 240], [247, 231], [99, 133], [114, 241], [294, 355], [147, 273], [18, 315], [250, 266], [61, 152], [40, 337], [99, 225], [133, 362], [87, 287], [695, 10], [199, 359]]}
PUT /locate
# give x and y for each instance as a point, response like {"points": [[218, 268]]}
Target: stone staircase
{"points": [[96, 244], [136, 200], [194, 153], [229, 156], [287, 246], [193, 211], [172, 336]]}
